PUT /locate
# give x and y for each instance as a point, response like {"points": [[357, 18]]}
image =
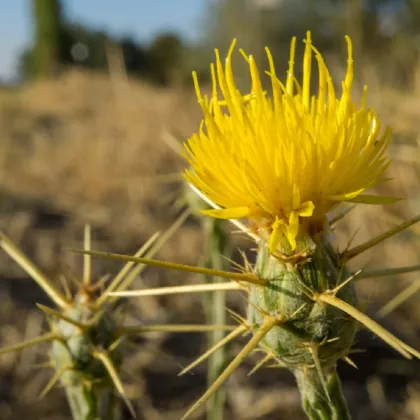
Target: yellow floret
{"points": [[287, 157]]}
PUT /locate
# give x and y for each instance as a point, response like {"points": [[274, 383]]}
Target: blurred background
{"points": [[95, 100]]}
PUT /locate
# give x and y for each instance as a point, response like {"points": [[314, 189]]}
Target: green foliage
{"points": [[47, 38], [307, 324], [93, 42], [165, 54]]}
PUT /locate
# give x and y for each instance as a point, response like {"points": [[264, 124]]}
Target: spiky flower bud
{"points": [[307, 328], [80, 335], [87, 341]]}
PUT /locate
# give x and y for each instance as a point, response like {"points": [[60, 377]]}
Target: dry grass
{"points": [[94, 147], [89, 148]]}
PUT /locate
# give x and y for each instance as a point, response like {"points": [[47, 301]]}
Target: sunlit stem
{"points": [[387, 272], [29, 343], [235, 333], [107, 362], [173, 143], [262, 362], [169, 232], [341, 215], [100, 283], [112, 371], [33, 272], [120, 276], [125, 277], [173, 290], [248, 277], [95, 318], [276, 365], [399, 299], [341, 285], [115, 344], [66, 288], [314, 351], [251, 345], [53, 381], [238, 318], [87, 258], [173, 328], [350, 362], [369, 323], [347, 255], [59, 315], [160, 242]]}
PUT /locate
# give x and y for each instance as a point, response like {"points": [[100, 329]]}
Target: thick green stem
{"points": [[316, 404]]}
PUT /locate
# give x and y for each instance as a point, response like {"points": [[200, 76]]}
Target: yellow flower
{"points": [[283, 161]]}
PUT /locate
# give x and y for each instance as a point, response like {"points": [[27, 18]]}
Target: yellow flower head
{"points": [[285, 160]]}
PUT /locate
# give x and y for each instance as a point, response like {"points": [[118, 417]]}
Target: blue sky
{"points": [[139, 18]]}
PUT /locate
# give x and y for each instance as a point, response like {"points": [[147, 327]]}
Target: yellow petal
{"points": [[231, 213], [373, 199], [275, 237], [292, 229], [306, 209], [346, 196]]}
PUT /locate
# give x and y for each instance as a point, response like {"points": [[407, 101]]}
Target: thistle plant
{"points": [[282, 163], [87, 337]]}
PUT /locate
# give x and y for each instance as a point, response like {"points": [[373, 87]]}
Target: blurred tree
{"points": [[135, 56], [25, 65], [413, 7], [165, 54], [47, 38], [84, 47]]}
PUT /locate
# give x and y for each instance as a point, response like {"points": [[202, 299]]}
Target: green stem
{"points": [[215, 305], [82, 402], [110, 409], [315, 403]]}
